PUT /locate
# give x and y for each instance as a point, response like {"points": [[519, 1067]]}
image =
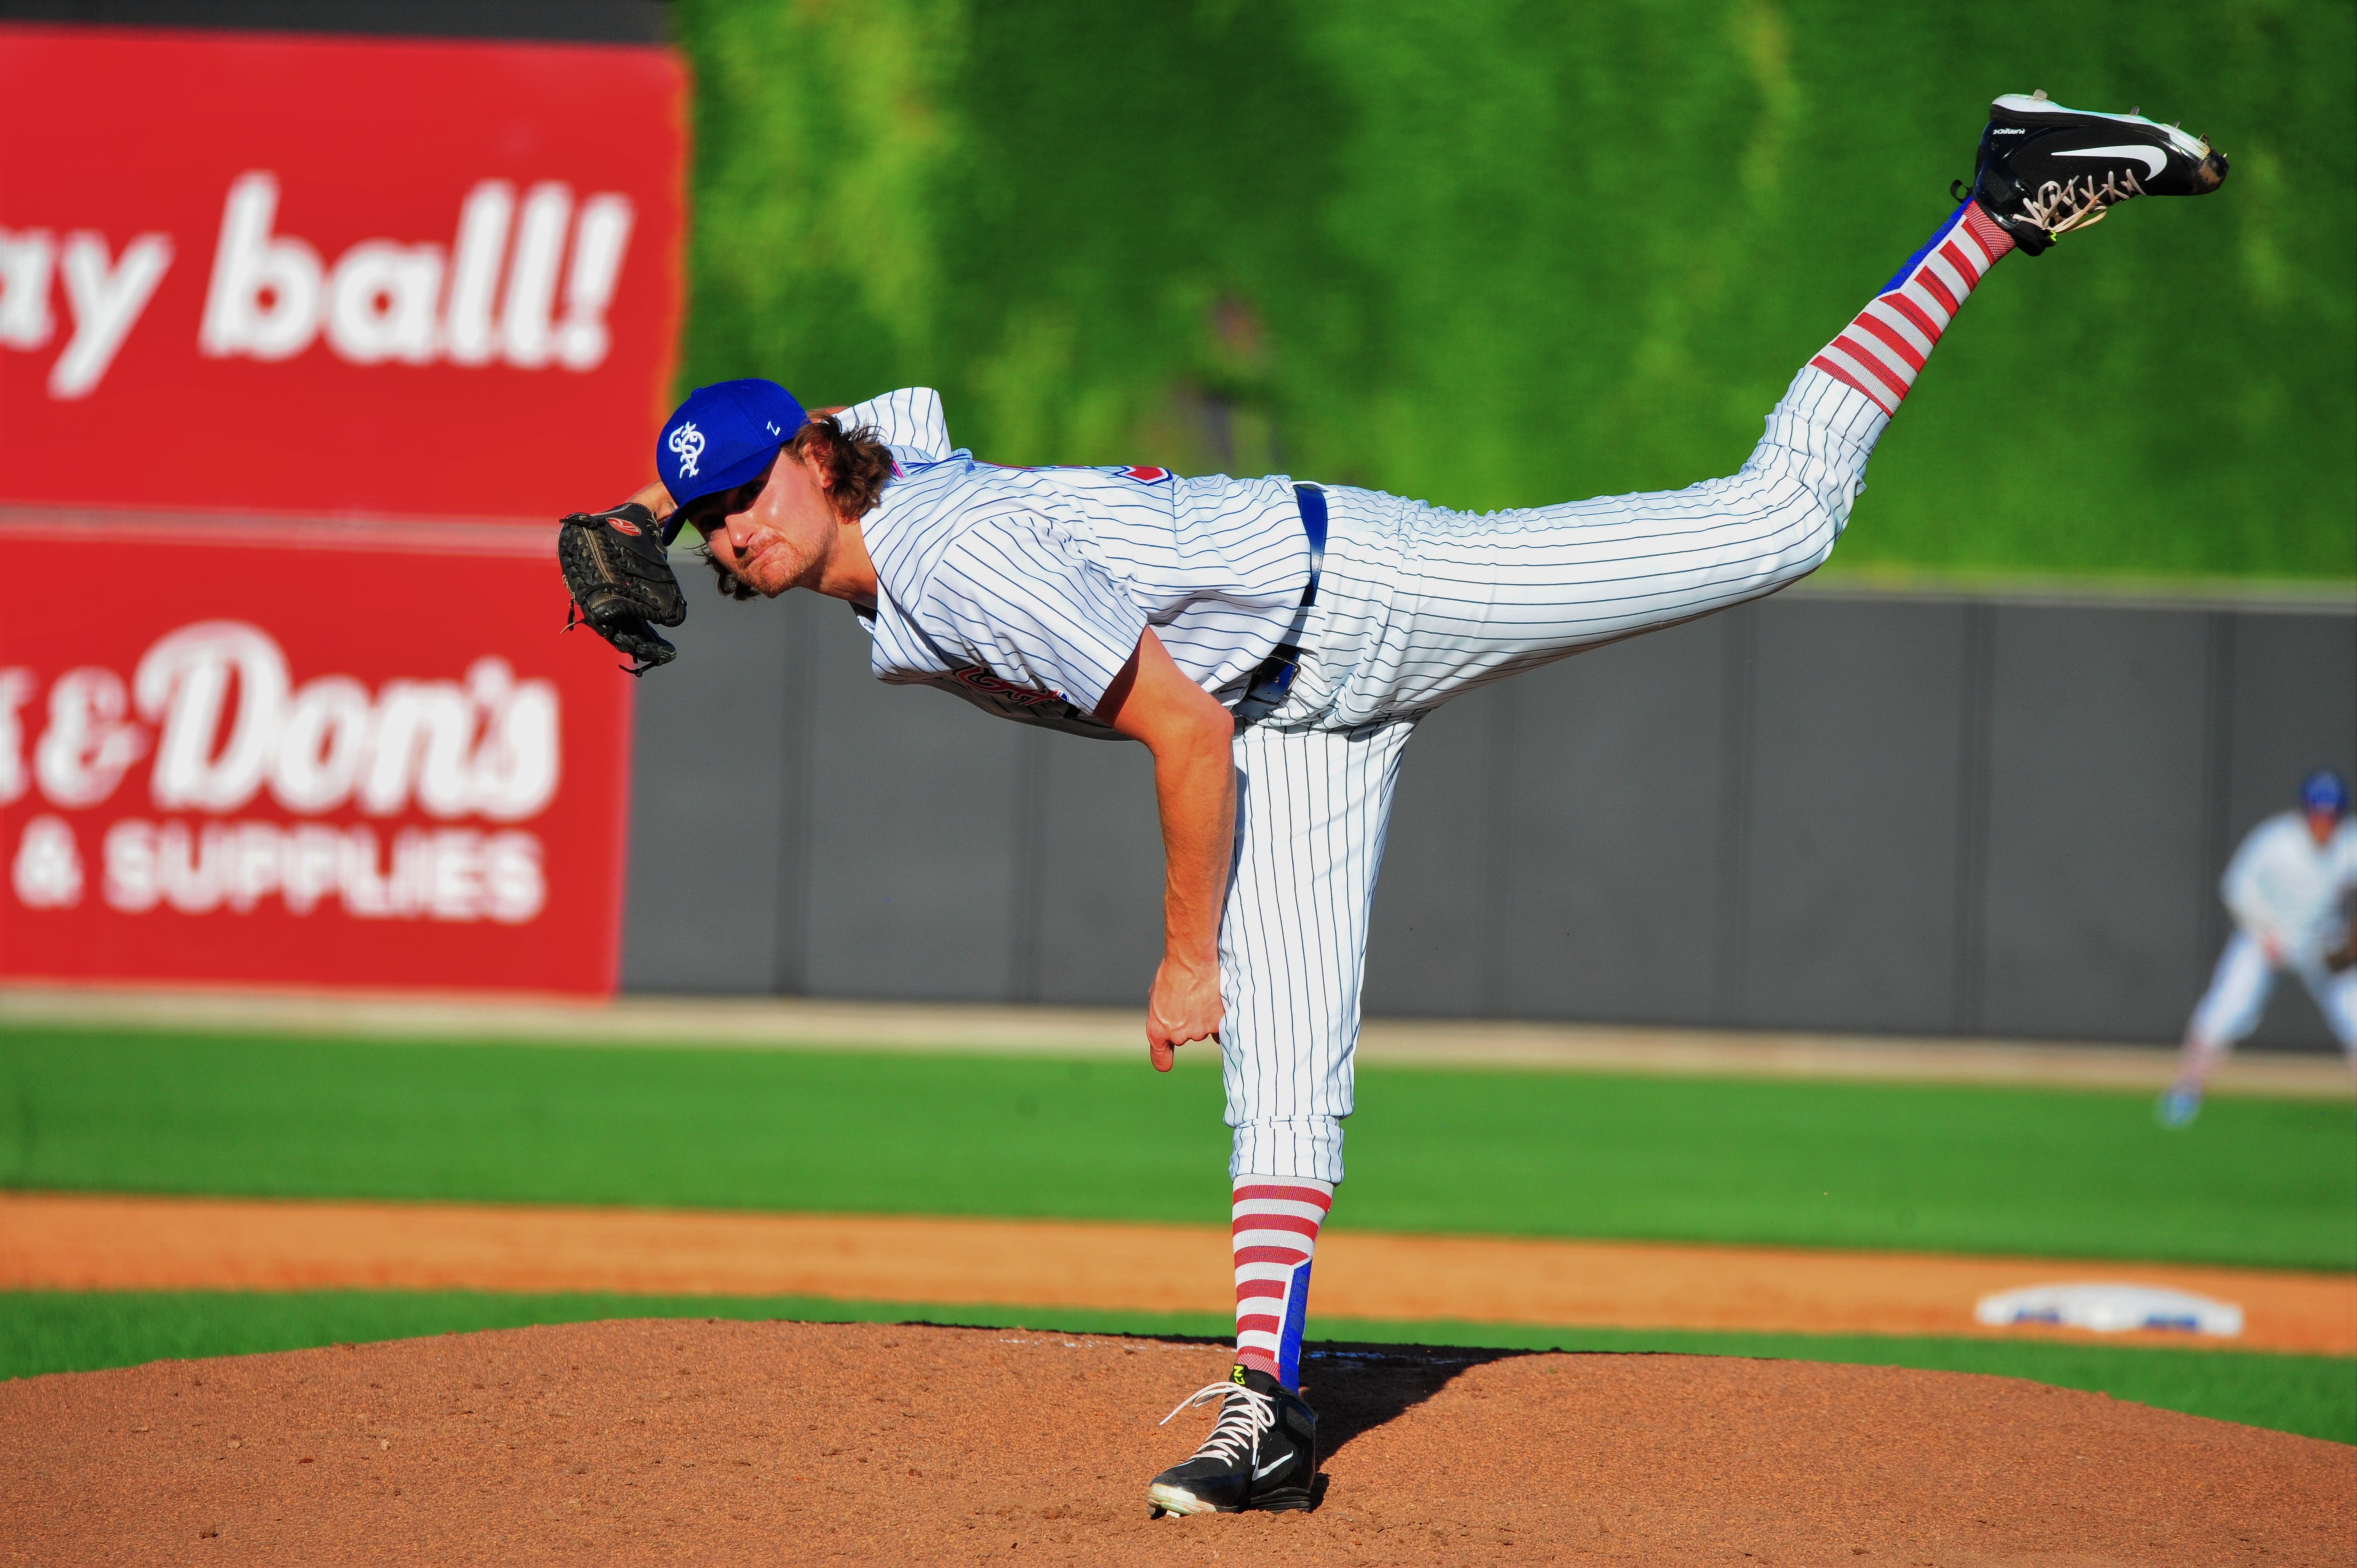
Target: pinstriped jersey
{"points": [[1025, 590]]}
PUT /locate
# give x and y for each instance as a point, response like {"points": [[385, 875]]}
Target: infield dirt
{"points": [[86, 1241], [708, 1441]]}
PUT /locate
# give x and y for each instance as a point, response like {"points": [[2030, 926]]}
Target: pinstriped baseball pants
{"points": [[1416, 604]]}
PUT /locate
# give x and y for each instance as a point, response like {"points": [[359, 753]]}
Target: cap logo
{"points": [[687, 442]]}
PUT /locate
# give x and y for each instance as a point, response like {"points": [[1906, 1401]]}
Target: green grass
{"points": [[2258, 1182], [2006, 1170], [1495, 252], [44, 1332]]}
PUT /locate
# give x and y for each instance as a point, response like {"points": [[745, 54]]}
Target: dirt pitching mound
{"points": [[707, 1441]]}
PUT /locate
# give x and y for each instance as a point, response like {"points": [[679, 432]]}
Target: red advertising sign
{"points": [[291, 754], [334, 276]]}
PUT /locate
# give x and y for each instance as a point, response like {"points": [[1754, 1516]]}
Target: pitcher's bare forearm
{"points": [[1191, 738], [1194, 786]]}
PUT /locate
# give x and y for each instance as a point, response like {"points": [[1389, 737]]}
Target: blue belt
{"points": [[1273, 679]]}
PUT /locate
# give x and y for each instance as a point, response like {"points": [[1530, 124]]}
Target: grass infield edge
{"points": [[57, 1331]]}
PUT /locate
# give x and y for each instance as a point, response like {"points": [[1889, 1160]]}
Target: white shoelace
{"points": [[2078, 202], [1236, 1435]]}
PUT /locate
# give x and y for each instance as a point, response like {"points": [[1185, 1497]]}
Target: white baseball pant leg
{"points": [[1419, 604], [2239, 988], [2336, 998], [2238, 996], [1311, 809]]}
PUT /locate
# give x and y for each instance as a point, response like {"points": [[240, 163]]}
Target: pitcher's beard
{"points": [[772, 567]]}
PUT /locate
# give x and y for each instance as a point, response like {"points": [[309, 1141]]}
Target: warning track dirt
{"points": [[697, 1442], [55, 1241]]}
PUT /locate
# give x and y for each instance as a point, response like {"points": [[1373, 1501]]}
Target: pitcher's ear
{"points": [[819, 449]]}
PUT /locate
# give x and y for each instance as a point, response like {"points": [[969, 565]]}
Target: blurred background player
{"points": [[2290, 887]]}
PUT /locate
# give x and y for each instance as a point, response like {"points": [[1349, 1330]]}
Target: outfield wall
{"points": [[1886, 814], [1875, 813]]}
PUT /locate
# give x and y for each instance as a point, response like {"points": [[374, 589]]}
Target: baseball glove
{"points": [[621, 585], [2342, 959]]}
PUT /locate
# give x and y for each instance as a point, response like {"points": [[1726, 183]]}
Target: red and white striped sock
{"points": [[1276, 1235], [1884, 347]]}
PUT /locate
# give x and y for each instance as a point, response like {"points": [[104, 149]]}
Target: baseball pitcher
{"points": [[1273, 644]]}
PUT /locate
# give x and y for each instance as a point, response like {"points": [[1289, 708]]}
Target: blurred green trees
{"points": [[1493, 252]]}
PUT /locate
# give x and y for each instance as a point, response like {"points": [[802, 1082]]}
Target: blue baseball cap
{"points": [[723, 436], [2322, 790]]}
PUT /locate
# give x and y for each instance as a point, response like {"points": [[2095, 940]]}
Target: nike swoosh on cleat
{"points": [[1278, 1463], [2153, 158]]}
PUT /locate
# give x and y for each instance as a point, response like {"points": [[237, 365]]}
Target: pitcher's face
{"points": [[773, 532]]}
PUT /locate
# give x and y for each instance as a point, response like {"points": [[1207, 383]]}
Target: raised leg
{"points": [[1425, 604]]}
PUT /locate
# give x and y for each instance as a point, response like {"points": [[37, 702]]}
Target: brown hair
{"points": [[857, 466], [857, 461]]}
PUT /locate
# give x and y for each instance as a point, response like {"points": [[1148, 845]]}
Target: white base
{"points": [[2112, 1309]]}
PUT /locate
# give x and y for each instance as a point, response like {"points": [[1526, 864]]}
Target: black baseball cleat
{"points": [[2045, 170], [1262, 1453]]}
